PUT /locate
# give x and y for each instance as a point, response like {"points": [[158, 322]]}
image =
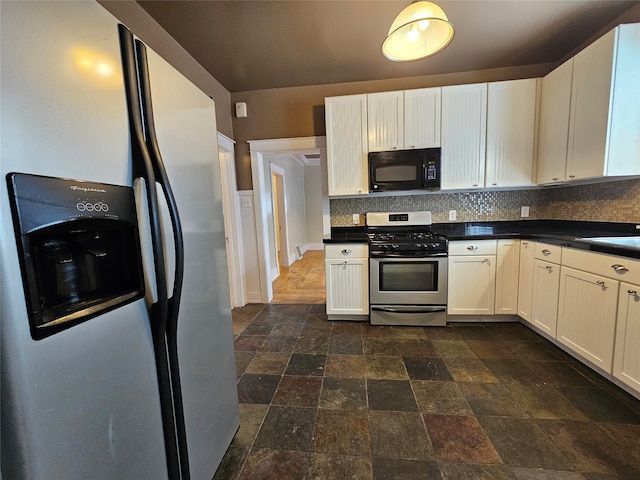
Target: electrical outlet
{"points": [[452, 215], [524, 211], [356, 218]]}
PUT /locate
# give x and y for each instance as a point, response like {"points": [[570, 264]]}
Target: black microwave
{"points": [[404, 170]]}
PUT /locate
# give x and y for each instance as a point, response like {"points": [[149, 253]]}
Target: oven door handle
{"points": [[416, 309]]}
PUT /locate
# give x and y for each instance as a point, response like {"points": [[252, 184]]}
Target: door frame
{"points": [[261, 174], [232, 220], [279, 207]]}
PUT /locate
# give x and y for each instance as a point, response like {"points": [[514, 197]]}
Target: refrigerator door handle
{"points": [[173, 301], [142, 168]]}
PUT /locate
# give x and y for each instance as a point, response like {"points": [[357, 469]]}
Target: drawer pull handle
{"points": [[346, 251], [546, 252], [549, 268], [472, 247], [633, 292], [619, 268], [601, 283]]}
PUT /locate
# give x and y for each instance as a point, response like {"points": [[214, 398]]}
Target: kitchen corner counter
{"points": [[575, 234], [346, 235]]}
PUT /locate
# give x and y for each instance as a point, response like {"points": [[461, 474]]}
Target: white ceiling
{"points": [[255, 45]]}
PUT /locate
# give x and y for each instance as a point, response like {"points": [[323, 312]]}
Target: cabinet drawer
{"points": [[346, 250], [619, 268], [548, 253], [473, 247]]}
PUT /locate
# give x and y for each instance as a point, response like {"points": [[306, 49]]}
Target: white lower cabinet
{"points": [[525, 279], [472, 278], [587, 315], [626, 362], [347, 280], [507, 268], [546, 284]]}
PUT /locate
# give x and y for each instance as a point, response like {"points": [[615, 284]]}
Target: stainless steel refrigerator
{"points": [[141, 386]]}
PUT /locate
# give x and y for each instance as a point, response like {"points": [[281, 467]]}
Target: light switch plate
{"points": [[453, 214], [356, 218], [524, 211]]}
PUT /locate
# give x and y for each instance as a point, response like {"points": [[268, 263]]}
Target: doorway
{"points": [[260, 151]]}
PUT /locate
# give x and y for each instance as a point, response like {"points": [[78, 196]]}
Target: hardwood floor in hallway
{"points": [[303, 281]]}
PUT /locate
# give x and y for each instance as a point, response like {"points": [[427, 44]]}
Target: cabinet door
{"points": [[507, 268], [587, 315], [546, 286], [347, 285], [422, 117], [626, 363], [511, 123], [385, 121], [464, 129], [590, 94], [346, 119], [472, 285], [525, 279], [555, 105]]}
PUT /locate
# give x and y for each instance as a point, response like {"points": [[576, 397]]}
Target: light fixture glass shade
{"points": [[420, 30]]}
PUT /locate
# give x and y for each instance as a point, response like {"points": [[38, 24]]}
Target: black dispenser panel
{"points": [[79, 249]]}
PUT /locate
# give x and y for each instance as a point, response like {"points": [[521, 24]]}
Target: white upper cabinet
{"points": [[511, 130], [385, 119], [406, 119], [422, 117], [346, 122], [555, 105], [464, 128], [605, 107]]}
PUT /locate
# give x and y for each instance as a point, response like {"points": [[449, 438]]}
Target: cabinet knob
{"points": [[572, 176], [601, 283], [346, 251], [474, 185], [546, 252], [494, 183], [472, 247], [549, 268], [555, 179], [618, 268]]}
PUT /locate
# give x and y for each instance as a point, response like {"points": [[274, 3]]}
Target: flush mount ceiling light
{"points": [[420, 30]]}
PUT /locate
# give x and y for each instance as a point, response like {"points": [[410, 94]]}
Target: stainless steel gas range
{"points": [[407, 269]]}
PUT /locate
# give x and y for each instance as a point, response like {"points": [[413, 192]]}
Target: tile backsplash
{"points": [[617, 201]]}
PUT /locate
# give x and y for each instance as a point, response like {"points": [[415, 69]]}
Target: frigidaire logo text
{"points": [[87, 189]]}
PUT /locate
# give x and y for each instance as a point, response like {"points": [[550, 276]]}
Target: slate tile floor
{"points": [[345, 400]]}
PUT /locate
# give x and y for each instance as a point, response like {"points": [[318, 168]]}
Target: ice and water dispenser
{"points": [[79, 249]]}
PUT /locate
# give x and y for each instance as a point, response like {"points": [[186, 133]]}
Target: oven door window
{"points": [[408, 276]]}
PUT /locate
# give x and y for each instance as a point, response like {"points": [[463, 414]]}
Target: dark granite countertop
{"points": [[568, 233]]}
